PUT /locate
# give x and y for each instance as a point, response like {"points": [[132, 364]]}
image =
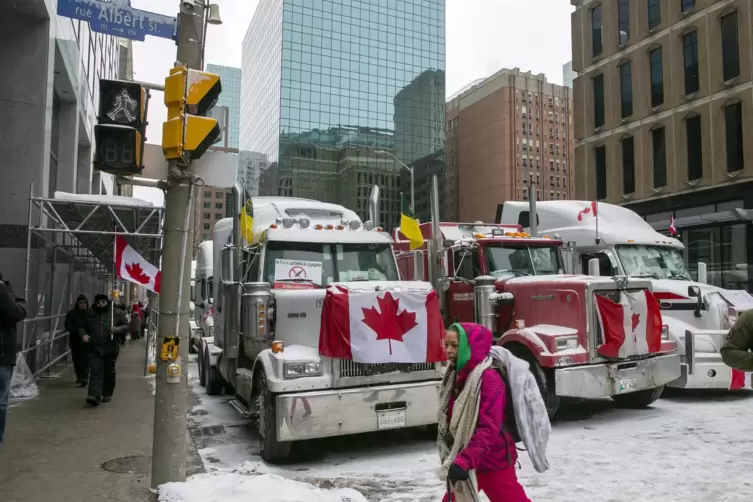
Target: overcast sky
{"points": [[483, 36]]}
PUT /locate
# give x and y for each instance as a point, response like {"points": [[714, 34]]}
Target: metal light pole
{"points": [[170, 423], [412, 179]]}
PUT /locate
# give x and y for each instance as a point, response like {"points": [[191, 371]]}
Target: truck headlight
{"points": [[566, 343], [298, 369]]}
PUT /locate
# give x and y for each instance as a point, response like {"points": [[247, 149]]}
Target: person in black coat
{"points": [[77, 326], [12, 311], [103, 346]]}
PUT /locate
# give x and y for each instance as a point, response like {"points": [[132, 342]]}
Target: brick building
{"points": [[505, 133]]}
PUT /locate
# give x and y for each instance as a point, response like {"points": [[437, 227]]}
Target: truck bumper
{"points": [[709, 372], [318, 414], [609, 379]]}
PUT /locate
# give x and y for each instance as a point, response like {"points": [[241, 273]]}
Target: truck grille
{"points": [[352, 369]]}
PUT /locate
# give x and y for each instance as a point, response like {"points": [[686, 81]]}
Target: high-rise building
{"points": [[568, 75], [338, 95], [50, 86], [231, 99], [508, 133], [663, 94]]}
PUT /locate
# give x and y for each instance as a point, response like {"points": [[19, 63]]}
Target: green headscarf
{"points": [[464, 347]]}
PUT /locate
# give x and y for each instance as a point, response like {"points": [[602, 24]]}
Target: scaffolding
{"points": [[73, 241]]}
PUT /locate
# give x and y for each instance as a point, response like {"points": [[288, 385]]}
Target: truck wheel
{"points": [[271, 450], [215, 384], [546, 383], [192, 349], [202, 371], [640, 399]]}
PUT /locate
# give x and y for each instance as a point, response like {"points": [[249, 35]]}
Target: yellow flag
{"points": [[247, 220], [409, 225]]}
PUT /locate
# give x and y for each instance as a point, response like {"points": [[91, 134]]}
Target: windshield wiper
{"points": [[298, 279], [650, 275]]}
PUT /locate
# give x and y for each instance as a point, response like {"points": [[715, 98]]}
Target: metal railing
{"points": [[47, 350]]}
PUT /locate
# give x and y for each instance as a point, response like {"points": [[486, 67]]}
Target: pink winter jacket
{"points": [[490, 449]]}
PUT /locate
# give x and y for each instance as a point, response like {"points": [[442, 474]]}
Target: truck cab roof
{"points": [[479, 231]]}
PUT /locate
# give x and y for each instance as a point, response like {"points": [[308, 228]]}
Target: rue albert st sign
{"points": [[118, 18]]}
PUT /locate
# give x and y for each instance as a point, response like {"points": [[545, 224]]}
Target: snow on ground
{"points": [[688, 446], [234, 487]]}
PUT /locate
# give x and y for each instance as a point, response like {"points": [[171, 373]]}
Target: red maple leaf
{"points": [[634, 320], [138, 275], [388, 324]]}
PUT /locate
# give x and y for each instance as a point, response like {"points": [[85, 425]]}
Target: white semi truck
{"points": [[203, 297], [269, 296], [698, 315]]}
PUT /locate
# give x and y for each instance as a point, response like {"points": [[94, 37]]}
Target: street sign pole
{"points": [[170, 424]]}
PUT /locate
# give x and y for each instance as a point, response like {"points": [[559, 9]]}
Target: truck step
{"points": [[241, 408]]}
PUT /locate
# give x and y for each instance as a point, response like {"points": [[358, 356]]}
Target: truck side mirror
{"points": [[695, 292], [226, 260]]}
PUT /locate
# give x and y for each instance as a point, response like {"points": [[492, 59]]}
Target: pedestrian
{"points": [[123, 309], [736, 351], [12, 311], [103, 346], [77, 326], [135, 321], [477, 453], [144, 319]]}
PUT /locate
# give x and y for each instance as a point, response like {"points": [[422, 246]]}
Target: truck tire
{"points": [[214, 383], [640, 399], [192, 349], [546, 383], [272, 451], [202, 371]]}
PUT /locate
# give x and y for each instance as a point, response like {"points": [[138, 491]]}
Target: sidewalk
{"points": [[57, 448]]}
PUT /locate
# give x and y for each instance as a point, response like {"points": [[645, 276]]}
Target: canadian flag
{"points": [[382, 326], [131, 266], [631, 327], [740, 380], [672, 228], [588, 210]]}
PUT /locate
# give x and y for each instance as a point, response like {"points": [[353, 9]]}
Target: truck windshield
{"points": [[308, 264], [523, 260], [657, 262]]}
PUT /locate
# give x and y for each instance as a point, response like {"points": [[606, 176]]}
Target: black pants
{"points": [[102, 376], [80, 361]]}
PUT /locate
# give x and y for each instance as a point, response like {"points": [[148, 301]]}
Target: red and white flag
{"points": [[672, 229], [590, 210], [382, 326], [631, 327], [740, 380], [131, 266]]}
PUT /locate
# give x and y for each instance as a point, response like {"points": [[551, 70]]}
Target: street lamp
{"points": [[412, 180]]}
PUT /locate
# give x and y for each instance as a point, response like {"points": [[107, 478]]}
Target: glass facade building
{"points": [[335, 90], [231, 99]]}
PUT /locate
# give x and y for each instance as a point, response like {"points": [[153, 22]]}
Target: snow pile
{"points": [[236, 487], [23, 385], [113, 200]]}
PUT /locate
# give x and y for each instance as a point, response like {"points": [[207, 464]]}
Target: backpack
{"points": [[526, 416]]}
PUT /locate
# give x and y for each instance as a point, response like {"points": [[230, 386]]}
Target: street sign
{"points": [[118, 18]]}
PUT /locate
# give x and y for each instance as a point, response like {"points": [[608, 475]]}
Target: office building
{"points": [[568, 75], [508, 133], [50, 84], [339, 95], [663, 93], [230, 98]]}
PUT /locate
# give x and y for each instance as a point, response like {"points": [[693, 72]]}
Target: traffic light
{"points": [[121, 126], [189, 131]]}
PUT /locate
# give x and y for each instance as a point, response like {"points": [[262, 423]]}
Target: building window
{"points": [[628, 165], [659, 151], [730, 47], [218, 205], [733, 136], [596, 40], [626, 89], [206, 226], [206, 216], [207, 195], [686, 5], [657, 77], [207, 205], [654, 13], [623, 20], [695, 149], [600, 154], [598, 100], [690, 58]]}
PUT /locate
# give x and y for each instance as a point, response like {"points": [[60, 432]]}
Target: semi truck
{"points": [[515, 284], [624, 244], [269, 292], [203, 298]]}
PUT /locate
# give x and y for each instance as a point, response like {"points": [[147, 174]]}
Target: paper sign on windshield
{"points": [[297, 274]]}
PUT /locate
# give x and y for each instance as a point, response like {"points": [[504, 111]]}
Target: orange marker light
{"points": [[277, 347]]}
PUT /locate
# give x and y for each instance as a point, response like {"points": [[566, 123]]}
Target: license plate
{"points": [[628, 385], [390, 419]]}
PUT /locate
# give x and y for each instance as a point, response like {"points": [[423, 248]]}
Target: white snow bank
{"points": [[114, 200], [235, 487]]}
